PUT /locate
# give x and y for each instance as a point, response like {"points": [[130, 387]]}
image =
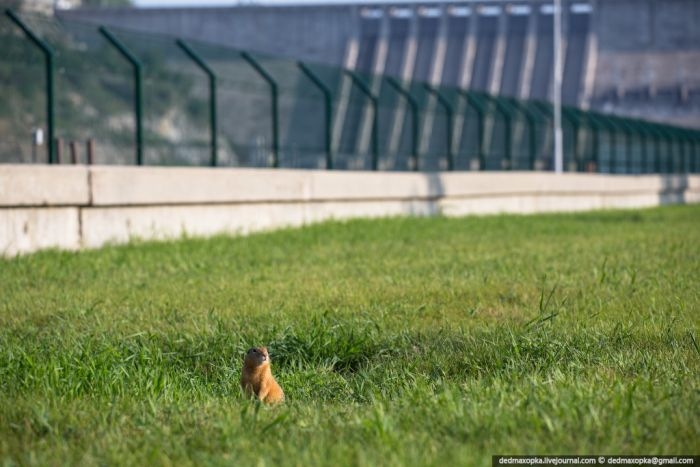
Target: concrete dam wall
{"points": [[635, 57]]}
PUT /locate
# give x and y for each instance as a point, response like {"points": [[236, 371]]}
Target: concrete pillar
{"points": [[352, 50], [434, 78], [378, 66], [496, 74], [529, 59], [382, 47], [407, 67], [438, 65], [590, 59], [409, 61], [466, 75]]}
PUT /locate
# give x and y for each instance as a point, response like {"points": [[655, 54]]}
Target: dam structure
{"points": [[638, 58], [403, 86]]}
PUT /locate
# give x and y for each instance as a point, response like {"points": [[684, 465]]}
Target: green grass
{"points": [[400, 341]]}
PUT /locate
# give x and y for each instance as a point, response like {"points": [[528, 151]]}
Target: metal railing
{"points": [[141, 99]]}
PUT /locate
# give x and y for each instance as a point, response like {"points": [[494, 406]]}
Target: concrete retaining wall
{"points": [[75, 207]]}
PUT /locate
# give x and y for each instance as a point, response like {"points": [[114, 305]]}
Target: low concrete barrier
{"points": [[43, 185], [75, 207]]}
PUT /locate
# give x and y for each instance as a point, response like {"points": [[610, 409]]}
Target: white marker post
{"points": [[558, 137]]}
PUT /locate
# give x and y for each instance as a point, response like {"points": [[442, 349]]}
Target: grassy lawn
{"points": [[399, 341]]}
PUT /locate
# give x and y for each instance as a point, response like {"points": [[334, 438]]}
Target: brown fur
{"points": [[257, 379]]}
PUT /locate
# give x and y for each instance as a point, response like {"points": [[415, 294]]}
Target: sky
{"points": [[161, 3], [166, 3]]}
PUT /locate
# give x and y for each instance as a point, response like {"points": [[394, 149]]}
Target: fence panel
{"points": [[203, 104]]}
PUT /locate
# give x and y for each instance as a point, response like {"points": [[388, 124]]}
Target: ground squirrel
{"points": [[257, 379]]}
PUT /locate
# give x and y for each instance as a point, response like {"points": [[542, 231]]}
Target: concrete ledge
{"points": [[120, 224], [154, 186], [43, 185], [73, 207], [534, 203], [23, 230], [163, 186], [509, 183], [124, 186], [694, 183]]}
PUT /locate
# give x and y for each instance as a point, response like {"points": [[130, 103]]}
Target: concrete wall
{"points": [[76, 207], [319, 33], [649, 59], [327, 34]]}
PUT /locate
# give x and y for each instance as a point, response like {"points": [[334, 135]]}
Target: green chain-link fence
{"points": [[70, 90]]}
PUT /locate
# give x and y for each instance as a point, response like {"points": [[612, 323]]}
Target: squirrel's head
{"points": [[257, 356]]}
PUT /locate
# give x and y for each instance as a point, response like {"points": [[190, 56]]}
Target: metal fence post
{"points": [[449, 112], [692, 152], [669, 144], [507, 120], [680, 138], [690, 155], [328, 106], [654, 132], [644, 143], [696, 152], [138, 99], [575, 126], [375, 116], [612, 135], [532, 136], [475, 104], [657, 150], [275, 113], [634, 127], [213, 126], [546, 108], [49, 64], [627, 129], [595, 130], [695, 160], [415, 133], [645, 157], [680, 141], [616, 126]]}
